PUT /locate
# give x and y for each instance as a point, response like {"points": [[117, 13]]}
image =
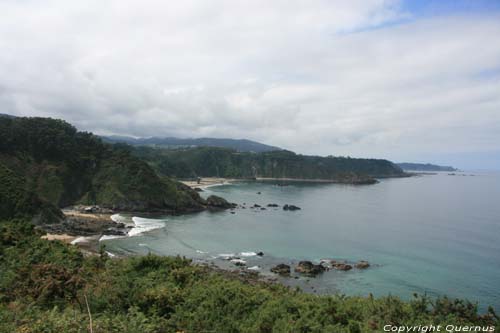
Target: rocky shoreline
{"points": [[84, 226]]}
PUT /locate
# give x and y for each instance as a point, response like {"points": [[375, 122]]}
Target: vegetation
{"points": [[221, 162], [241, 145], [45, 286], [425, 167], [48, 163]]}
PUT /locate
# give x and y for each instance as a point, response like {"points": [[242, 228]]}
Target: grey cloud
{"points": [[311, 76]]}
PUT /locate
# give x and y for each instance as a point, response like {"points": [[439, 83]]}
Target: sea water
{"points": [[434, 234]]}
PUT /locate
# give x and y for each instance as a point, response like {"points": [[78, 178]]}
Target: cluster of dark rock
{"points": [[310, 269], [95, 209], [238, 261], [271, 205], [291, 207], [85, 226], [281, 269]]}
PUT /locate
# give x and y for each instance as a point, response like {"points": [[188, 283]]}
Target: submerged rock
{"points": [[291, 207], [308, 268], [362, 264], [272, 205], [281, 269], [342, 266], [260, 253]]}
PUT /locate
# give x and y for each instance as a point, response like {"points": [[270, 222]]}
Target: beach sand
{"points": [[63, 237], [207, 182]]}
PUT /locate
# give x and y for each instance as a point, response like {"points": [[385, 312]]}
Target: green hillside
{"points": [[220, 162], [48, 163]]}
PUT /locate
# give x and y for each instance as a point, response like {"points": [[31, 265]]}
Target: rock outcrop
{"points": [[341, 266], [308, 268], [362, 264], [291, 207], [281, 269], [215, 202]]}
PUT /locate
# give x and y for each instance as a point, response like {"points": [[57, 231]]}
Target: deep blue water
{"points": [[434, 234]]}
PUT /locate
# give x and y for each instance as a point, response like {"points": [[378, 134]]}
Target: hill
{"points": [[425, 167], [241, 145], [221, 162], [46, 164]]}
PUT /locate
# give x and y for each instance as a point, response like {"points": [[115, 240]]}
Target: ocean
{"points": [[431, 234]]}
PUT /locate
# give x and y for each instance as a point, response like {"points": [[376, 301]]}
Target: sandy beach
{"points": [[207, 182], [63, 237]]}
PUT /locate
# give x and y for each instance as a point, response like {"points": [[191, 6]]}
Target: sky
{"points": [[415, 81]]}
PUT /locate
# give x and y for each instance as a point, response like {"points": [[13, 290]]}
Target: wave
{"points": [[80, 239], [248, 254], [119, 218], [238, 261], [142, 225], [107, 237], [226, 256]]}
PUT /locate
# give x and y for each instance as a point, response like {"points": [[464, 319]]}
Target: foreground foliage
{"points": [[46, 286]]}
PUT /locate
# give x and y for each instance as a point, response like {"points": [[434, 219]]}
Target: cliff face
{"points": [[48, 163], [219, 162]]}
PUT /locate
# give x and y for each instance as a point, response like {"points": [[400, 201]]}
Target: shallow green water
{"points": [[433, 234]]}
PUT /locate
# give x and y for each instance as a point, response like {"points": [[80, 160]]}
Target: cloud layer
{"points": [[359, 78]]}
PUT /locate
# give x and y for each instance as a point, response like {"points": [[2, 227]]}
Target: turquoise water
{"points": [[434, 234]]}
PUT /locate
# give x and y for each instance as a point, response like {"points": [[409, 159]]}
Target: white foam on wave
{"points": [[238, 261], [254, 268], [248, 254], [80, 240], [200, 251], [143, 225], [226, 256], [111, 254], [119, 218], [107, 237]]}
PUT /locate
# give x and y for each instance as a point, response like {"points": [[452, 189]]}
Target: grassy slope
{"points": [[43, 286]]}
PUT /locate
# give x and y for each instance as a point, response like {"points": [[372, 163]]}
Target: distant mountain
{"points": [[7, 115], [241, 145], [425, 167]]}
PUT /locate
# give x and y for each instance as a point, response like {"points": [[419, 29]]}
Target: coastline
{"points": [[208, 182]]}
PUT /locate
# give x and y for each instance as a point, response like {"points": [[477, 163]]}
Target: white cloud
{"points": [[331, 77]]}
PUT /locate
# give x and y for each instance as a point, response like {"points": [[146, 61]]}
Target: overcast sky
{"points": [[403, 80]]}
